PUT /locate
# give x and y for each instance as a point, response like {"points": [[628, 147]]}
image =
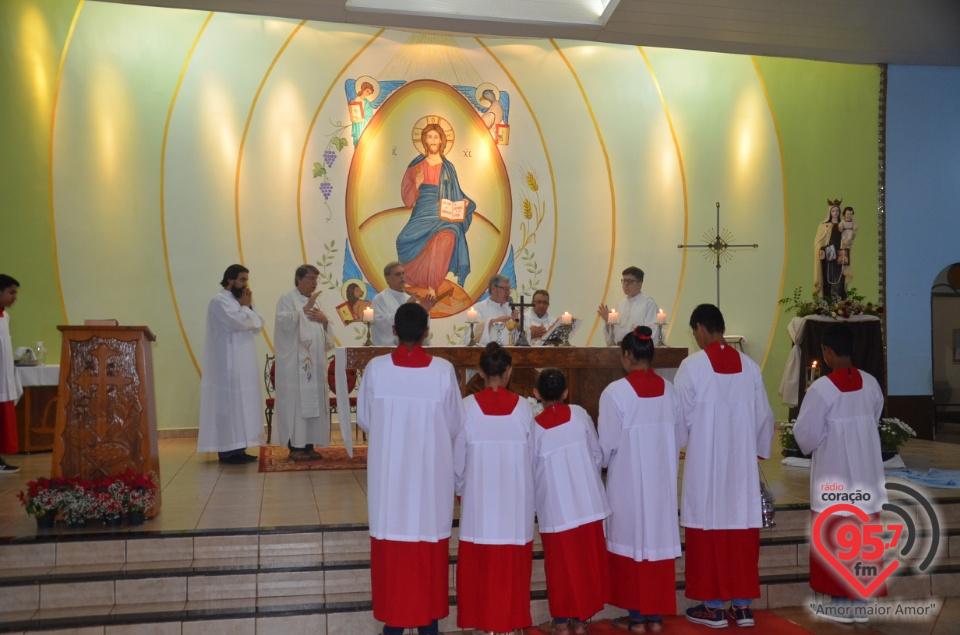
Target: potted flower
{"points": [[141, 493], [109, 495], [41, 500], [893, 434], [77, 503], [788, 442]]}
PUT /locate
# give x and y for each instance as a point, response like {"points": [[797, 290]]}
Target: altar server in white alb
{"points": [[493, 457], [410, 406], [10, 389], [386, 303], [302, 337], [536, 319], [641, 433], [493, 314], [635, 310], [231, 404], [838, 425], [571, 506], [729, 425]]}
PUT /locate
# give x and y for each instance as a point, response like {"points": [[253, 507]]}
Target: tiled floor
{"points": [[200, 493]]}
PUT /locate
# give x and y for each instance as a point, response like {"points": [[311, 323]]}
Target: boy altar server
{"points": [[729, 424], [410, 406], [10, 389]]}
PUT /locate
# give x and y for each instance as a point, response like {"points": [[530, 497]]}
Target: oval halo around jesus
{"points": [[442, 209]]}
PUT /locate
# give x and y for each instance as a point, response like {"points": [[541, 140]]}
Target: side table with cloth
{"points": [[36, 411]]}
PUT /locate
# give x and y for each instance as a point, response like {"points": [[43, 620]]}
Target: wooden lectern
{"points": [[107, 422]]}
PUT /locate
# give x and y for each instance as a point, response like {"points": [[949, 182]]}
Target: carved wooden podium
{"points": [[107, 422]]}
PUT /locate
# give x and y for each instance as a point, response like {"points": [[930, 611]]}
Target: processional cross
{"points": [[719, 246]]}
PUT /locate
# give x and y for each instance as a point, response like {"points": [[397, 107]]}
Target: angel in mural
{"points": [[828, 275], [434, 240], [364, 95], [493, 106]]}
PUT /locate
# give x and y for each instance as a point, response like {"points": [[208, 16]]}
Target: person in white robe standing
{"points": [[729, 426], [493, 314], [231, 404], [641, 433], [635, 310], [492, 460], [571, 506], [838, 425], [536, 319], [302, 337], [386, 303], [10, 389], [409, 404]]}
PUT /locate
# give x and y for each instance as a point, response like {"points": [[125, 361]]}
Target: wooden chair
{"points": [[269, 375]]}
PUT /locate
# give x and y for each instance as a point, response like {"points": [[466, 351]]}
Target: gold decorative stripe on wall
{"points": [[613, 196], [683, 180], [243, 141], [546, 152], [786, 224], [163, 164], [53, 121]]}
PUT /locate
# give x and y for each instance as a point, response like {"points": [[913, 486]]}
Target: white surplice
{"points": [[530, 318], [640, 310], [493, 464], [840, 430], [231, 404], [641, 439], [10, 389], [302, 411], [568, 492], [485, 332], [729, 424], [411, 416]]}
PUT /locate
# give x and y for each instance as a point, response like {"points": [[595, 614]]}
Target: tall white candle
{"points": [[661, 317], [368, 314], [472, 314]]}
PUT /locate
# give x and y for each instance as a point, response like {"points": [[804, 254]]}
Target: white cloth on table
{"points": [[840, 430], [231, 404], [411, 416], [42, 375], [10, 388], [488, 310], [641, 439], [493, 467], [302, 410], [568, 492], [640, 310], [729, 424]]}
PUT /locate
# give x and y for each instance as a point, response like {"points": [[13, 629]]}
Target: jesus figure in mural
{"points": [[433, 243]]}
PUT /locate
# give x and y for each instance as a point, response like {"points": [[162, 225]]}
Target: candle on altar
{"points": [[472, 314], [661, 317], [566, 318], [368, 314], [813, 373], [613, 317]]}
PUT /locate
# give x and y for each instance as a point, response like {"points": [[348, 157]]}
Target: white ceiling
{"points": [[854, 31]]}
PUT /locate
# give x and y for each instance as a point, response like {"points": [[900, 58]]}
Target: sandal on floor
{"points": [[655, 626], [625, 623], [559, 629], [579, 628]]}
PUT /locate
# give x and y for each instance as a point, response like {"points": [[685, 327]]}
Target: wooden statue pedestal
{"points": [[107, 422]]}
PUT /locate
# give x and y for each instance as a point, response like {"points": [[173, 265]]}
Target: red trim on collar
{"points": [[1, 311], [646, 383], [497, 402], [414, 357], [724, 359], [847, 379], [556, 415]]}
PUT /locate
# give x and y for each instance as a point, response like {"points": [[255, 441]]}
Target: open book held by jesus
{"points": [[453, 211]]}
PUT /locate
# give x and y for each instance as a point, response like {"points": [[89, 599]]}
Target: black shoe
{"points": [[6, 468], [249, 458], [235, 459]]}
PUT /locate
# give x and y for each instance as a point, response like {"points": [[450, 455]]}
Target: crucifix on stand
{"points": [[521, 336], [719, 246]]}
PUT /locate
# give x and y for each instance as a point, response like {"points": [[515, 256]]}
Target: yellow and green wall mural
{"points": [[148, 148]]}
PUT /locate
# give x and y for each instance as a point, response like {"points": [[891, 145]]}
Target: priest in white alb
{"points": [[386, 303], [536, 319], [493, 313], [637, 309], [302, 338], [409, 404], [729, 426], [231, 404]]}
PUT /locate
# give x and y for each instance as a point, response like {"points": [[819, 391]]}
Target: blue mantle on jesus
{"points": [[425, 221]]}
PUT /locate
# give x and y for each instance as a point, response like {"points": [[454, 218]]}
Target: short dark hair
{"points": [[848, 209], [232, 273], [839, 339], [542, 292], [495, 360], [302, 272], [639, 343], [390, 266], [710, 317], [410, 321], [551, 383], [7, 281], [636, 272]]}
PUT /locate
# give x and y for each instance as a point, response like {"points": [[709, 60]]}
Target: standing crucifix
{"points": [[719, 246], [521, 336]]}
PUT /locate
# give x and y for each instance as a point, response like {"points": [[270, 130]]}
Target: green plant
{"points": [[853, 304], [894, 433], [786, 435]]}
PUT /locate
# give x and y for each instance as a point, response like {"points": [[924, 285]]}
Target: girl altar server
{"points": [[492, 462], [571, 506], [641, 433]]}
